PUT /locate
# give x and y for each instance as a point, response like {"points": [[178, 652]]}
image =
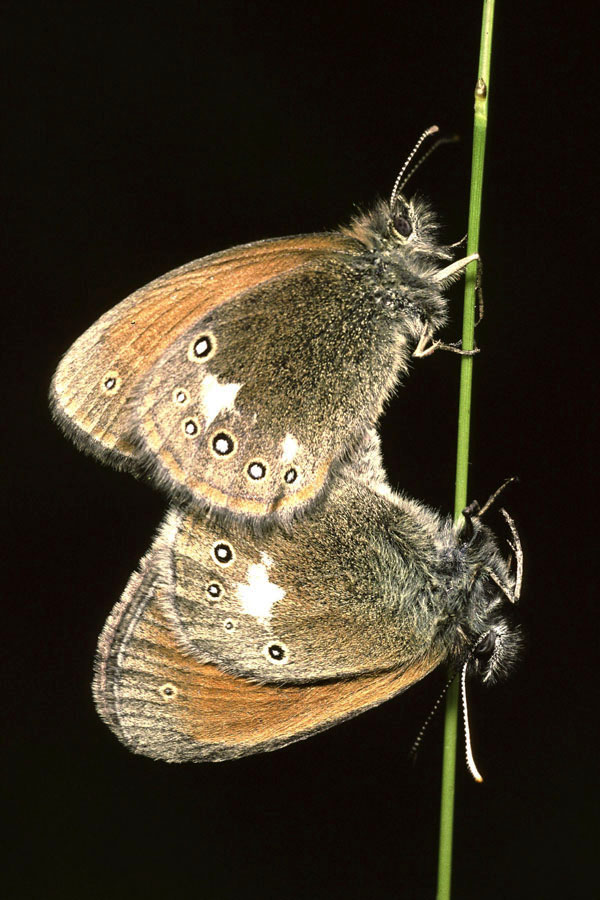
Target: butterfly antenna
{"points": [[491, 575], [422, 730], [399, 183], [517, 549], [491, 500], [468, 749], [475, 511], [440, 141]]}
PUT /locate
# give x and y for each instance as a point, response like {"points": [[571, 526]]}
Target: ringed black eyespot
{"points": [[256, 470], [111, 382], [202, 348], [167, 691], [223, 553], [223, 444], [228, 624], [214, 589], [290, 476], [180, 396], [276, 653], [190, 427]]}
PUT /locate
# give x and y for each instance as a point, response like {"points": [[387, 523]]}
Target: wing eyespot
{"points": [[256, 470], [223, 553], [214, 590], [276, 653], [180, 397], [167, 691], [111, 382], [223, 444], [191, 427], [202, 348]]}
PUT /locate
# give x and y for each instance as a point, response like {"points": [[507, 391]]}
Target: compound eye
{"points": [[401, 220], [486, 646], [403, 226]]}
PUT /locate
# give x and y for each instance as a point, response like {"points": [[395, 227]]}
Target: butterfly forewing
{"points": [[94, 385], [166, 704]]}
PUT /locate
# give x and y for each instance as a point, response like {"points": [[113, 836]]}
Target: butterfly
{"points": [[229, 641], [245, 379]]}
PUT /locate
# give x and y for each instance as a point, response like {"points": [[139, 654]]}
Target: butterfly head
{"points": [[413, 225], [399, 259], [491, 639]]}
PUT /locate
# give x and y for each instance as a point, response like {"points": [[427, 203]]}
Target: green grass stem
{"points": [[482, 90]]}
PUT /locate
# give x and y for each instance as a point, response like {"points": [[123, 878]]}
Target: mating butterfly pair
{"points": [[288, 587]]}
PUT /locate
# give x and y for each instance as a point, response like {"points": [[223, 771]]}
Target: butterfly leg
{"points": [[427, 346], [447, 276]]}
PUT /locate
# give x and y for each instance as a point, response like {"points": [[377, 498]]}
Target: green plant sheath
{"points": [[464, 411]]}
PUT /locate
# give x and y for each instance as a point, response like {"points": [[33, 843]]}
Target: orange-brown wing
{"points": [[164, 704], [92, 389]]}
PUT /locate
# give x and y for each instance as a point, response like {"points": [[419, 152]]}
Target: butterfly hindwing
{"points": [[164, 703], [93, 388], [250, 417], [320, 601]]}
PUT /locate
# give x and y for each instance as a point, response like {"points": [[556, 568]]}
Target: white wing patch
{"points": [[215, 397], [260, 595], [290, 448]]}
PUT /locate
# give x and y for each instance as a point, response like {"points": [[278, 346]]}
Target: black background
{"points": [[140, 137]]}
